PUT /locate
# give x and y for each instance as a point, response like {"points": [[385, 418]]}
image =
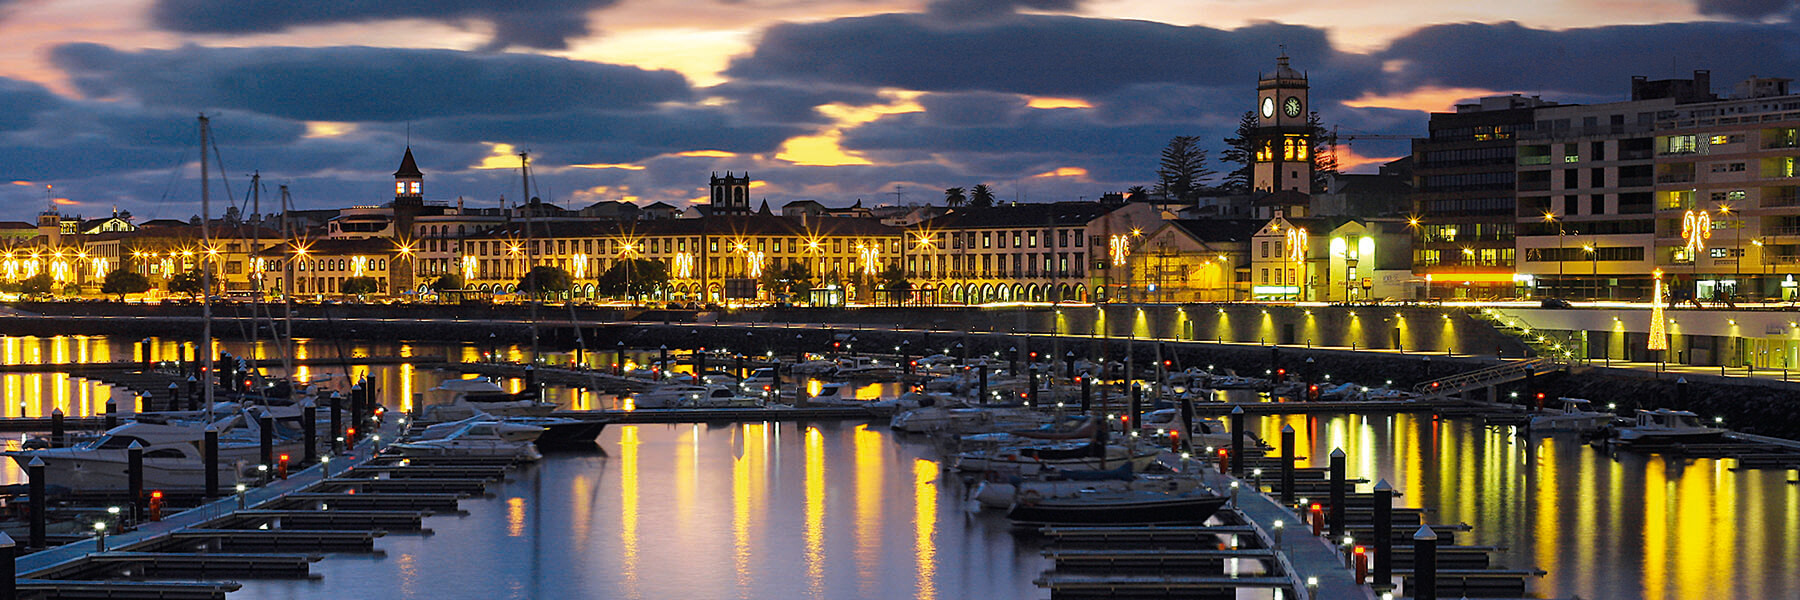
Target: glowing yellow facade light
{"points": [[684, 265], [468, 267], [871, 258], [358, 265], [1296, 244], [580, 265]]}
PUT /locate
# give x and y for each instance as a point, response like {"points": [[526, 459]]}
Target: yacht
{"points": [[174, 459], [1664, 426], [477, 438], [1575, 415], [1106, 506], [1039, 455], [482, 394]]}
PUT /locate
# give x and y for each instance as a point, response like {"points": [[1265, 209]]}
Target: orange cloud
{"points": [[1429, 99], [707, 154], [21, 182], [1064, 172], [1058, 103], [65, 202]]}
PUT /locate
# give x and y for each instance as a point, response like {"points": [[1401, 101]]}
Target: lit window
{"points": [[399, 187]]}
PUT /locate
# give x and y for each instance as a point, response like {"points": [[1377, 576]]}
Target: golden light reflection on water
{"points": [[628, 507], [515, 516], [871, 466], [925, 501], [814, 518], [746, 477]]}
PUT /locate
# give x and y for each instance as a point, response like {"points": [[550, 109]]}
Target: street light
{"points": [[1737, 248], [1550, 217], [1594, 261]]}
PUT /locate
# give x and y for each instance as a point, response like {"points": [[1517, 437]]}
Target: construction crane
{"points": [[1331, 149]]}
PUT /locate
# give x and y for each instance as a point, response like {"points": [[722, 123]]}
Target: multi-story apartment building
{"points": [[1464, 203]]}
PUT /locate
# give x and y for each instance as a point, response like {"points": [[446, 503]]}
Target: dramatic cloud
{"points": [[546, 24], [614, 137], [1745, 9], [779, 103], [1041, 55], [1594, 62], [21, 102], [356, 83], [977, 9]]}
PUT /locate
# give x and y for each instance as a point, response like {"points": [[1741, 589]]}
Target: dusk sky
{"points": [[832, 100]]}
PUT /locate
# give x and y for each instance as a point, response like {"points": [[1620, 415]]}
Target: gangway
{"points": [[1488, 377]]}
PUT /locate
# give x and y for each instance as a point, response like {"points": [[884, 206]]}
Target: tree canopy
{"points": [[40, 283], [633, 277], [544, 280], [360, 286], [123, 281], [191, 283], [792, 280], [1182, 174], [447, 282], [982, 196], [954, 197]]}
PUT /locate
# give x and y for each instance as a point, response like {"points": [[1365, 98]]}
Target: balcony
{"points": [[1636, 182], [1675, 178], [1777, 145], [1533, 161], [1790, 230], [1781, 201]]}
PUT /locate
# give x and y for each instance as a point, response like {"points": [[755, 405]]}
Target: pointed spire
{"points": [[408, 168], [764, 211]]}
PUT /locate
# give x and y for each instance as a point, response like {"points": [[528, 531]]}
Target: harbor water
{"points": [[838, 510]]}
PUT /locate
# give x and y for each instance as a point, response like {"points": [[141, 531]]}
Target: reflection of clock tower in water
{"points": [[1282, 140]]}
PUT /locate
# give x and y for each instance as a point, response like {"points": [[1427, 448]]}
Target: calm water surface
{"points": [[690, 511], [837, 511]]}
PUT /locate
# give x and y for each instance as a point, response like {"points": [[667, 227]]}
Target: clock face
{"points": [[1291, 107], [1268, 107]]}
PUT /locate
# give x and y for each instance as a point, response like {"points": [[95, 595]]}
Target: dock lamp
{"points": [[100, 536]]}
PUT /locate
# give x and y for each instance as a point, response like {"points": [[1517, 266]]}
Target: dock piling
{"points": [[134, 478], [34, 471], [1384, 534], [1338, 492], [174, 396], [1237, 440], [309, 428], [112, 414], [1136, 409], [356, 415], [9, 574], [58, 434], [983, 390], [212, 461], [1087, 394], [267, 425], [1287, 465], [1031, 397], [1424, 564], [337, 423]]}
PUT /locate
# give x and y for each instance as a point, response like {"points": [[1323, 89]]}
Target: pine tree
{"points": [[1182, 173], [1324, 160], [1239, 152]]}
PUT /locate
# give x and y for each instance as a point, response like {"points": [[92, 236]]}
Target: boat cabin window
{"points": [[721, 393], [1687, 420], [119, 442], [483, 429], [164, 453]]}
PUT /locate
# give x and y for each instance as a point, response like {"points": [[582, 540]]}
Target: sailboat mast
{"points": [[287, 289], [206, 345], [255, 261], [530, 247]]}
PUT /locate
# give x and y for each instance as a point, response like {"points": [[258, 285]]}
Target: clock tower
{"points": [[1282, 141]]}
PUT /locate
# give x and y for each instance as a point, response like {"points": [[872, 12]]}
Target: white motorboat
{"points": [[940, 414], [759, 381], [862, 367], [667, 396], [1207, 431], [480, 394], [1068, 455], [1664, 426], [512, 432], [173, 456], [1575, 415], [476, 438], [1004, 492], [720, 396]]}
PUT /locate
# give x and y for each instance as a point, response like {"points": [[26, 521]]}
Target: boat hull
{"points": [[1077, 511]]}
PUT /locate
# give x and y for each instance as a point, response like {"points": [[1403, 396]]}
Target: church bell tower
{"points": [[1282, 141]]}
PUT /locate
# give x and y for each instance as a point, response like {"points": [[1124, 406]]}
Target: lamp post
{"points": [[1594, 260], [1550, 217], [1762, 264], [1737, 248]]}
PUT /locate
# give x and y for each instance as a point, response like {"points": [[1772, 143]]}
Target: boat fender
{"points": [[1030, 497]]}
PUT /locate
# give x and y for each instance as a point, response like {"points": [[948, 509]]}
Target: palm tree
{"points": [[1137, 193], [954, 197], [982, 196]]}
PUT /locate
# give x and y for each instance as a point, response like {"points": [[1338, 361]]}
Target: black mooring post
{"points": [[57, 431], [212, 462], [1032, 395], [1338, 493], [356, 417], [1069, 359], [112, 414], [1287, 465], [983, 389], [309, 428], [267, 424], [1187, 427], [134, 478], [1237, 441], [1087, 394], [619, 358], [1135, 410], [1425, 564], [174, 397], [9, 582], [337, 423], [1681, 393], [34, 471], [1384, 534]]}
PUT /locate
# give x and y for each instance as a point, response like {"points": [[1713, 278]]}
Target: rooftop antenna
{"points": [[899, 193]]}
